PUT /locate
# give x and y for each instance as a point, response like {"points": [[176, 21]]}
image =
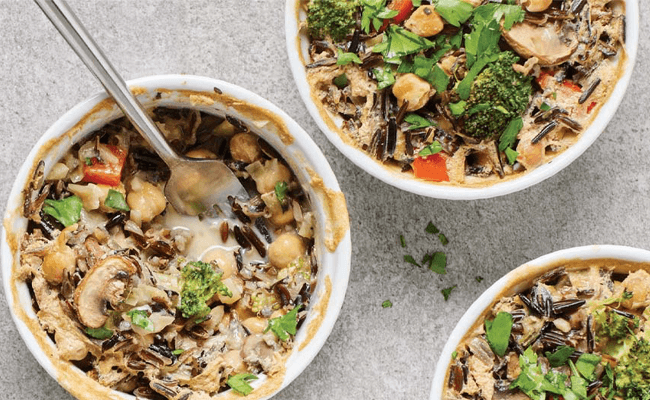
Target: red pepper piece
{"points": [[431, 168], [105, 173]]}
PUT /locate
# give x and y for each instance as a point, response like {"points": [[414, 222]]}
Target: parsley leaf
{"points": [[438, 79], [447, 292], [431, 228], [509, 136], [285, 325], [560, 356], [511, 155], [141, 319], [497, 332], [443, 239], [433, 148], [437, 262], [99, 333], [371, 9], [409, 259], [116, 200], [240, 383], [417, 122], [347, 58], [281, 191], [399, 42], [385, 77], [455, 12], [544, 107], [67, 211], [457, 108], [479, 279], [402, 241], [495, 12], [387, 304], [341, 81], [178, 352], [587, 364]]}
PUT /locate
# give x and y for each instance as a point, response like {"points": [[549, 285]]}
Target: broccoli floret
{"points": [[334, 18], [632, 374], [615, 326], [498, 94], [200, 283]]}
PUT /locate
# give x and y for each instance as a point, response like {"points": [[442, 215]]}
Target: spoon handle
{"points": [[64, 19]]}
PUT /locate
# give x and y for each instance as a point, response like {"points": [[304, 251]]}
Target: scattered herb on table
{"points": [[387, 304], [479, 279], [447, 292], [402, 241]]}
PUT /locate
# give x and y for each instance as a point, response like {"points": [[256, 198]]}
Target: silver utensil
{"points": [[195, 185]]}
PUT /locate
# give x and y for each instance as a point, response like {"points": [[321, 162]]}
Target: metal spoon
{"points": [[195, 185]]}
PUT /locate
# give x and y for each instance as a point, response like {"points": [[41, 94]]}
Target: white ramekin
{"points": [[302, 154], [297, 47], [515, 281]]}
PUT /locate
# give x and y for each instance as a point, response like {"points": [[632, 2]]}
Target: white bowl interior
{"points": [[302, 154], [532, 268], [297, 47]]}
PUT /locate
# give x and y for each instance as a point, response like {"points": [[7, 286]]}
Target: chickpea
{"points": [[60, 258], [200, 153], [536, 5], [285, 249], [148, 201], [414, 89], [279, 217], [425, 21], [244, 147], [225, 260], [272, 173]]}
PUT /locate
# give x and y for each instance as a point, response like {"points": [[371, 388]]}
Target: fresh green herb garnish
{"points": [[417, 122], [455, 12], [387, 304], [454, 355], [281, 191], [402, 241], [433, 148], [141, 319], [116, 200], [495, 12], [285, 325], [447, 292], [347, 58], [457, 108], [443, 239], [399, 42], [509, 136], [67, 211], [560, 356], [437, 262], [88, 161], [200, 283], [479, 279], [431, 228], [99, 333], [240, 383], [511, 155], [409, 259], [178, 352], [341, 81], [544, 107], [587, 364], [385, 77], [373, 12], [497, 332]]}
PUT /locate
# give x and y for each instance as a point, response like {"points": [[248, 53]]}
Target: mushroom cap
{"points": [[103, 284], [548, 42]]}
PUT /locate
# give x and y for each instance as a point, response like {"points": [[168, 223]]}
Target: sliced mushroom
{"points": [[104, 284], [549, 43]]}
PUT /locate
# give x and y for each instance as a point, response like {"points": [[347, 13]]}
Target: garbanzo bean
{"points": [[285, 249]]}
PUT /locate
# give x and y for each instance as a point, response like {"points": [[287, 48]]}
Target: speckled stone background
{"points": [[373, 353]]}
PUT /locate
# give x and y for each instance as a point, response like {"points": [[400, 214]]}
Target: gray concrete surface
{"points": [[373, 353]]}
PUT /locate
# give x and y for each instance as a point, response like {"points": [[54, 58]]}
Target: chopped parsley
{"points": [[347, 58], [178, 352], [374, 11], [511, 155], [437, 262], [285, 325], [455, 12], [409, 259], [402, 241], [240, 383], [116, 200], [341, 81], [443, 239], [560, 356], [433, 148], [454, 355], [479, 279], [387, 304], [99, 333], [67, 211], [431, 228], [385, 77], [417, 122], [140, 318], [399, 42], [447, 292], [509, 136], [281, 191], [497, 332]]}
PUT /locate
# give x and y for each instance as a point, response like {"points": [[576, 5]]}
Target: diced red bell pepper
{"points": [[431, 168], [105, 173], [543, 78], [591, 106], [403, 7], [572, 86]]}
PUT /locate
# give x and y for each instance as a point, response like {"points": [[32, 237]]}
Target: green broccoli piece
{"points": [[498, 95], [262, 299], [334, 18], [615, 326], [632, 374], [200, 283]]}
